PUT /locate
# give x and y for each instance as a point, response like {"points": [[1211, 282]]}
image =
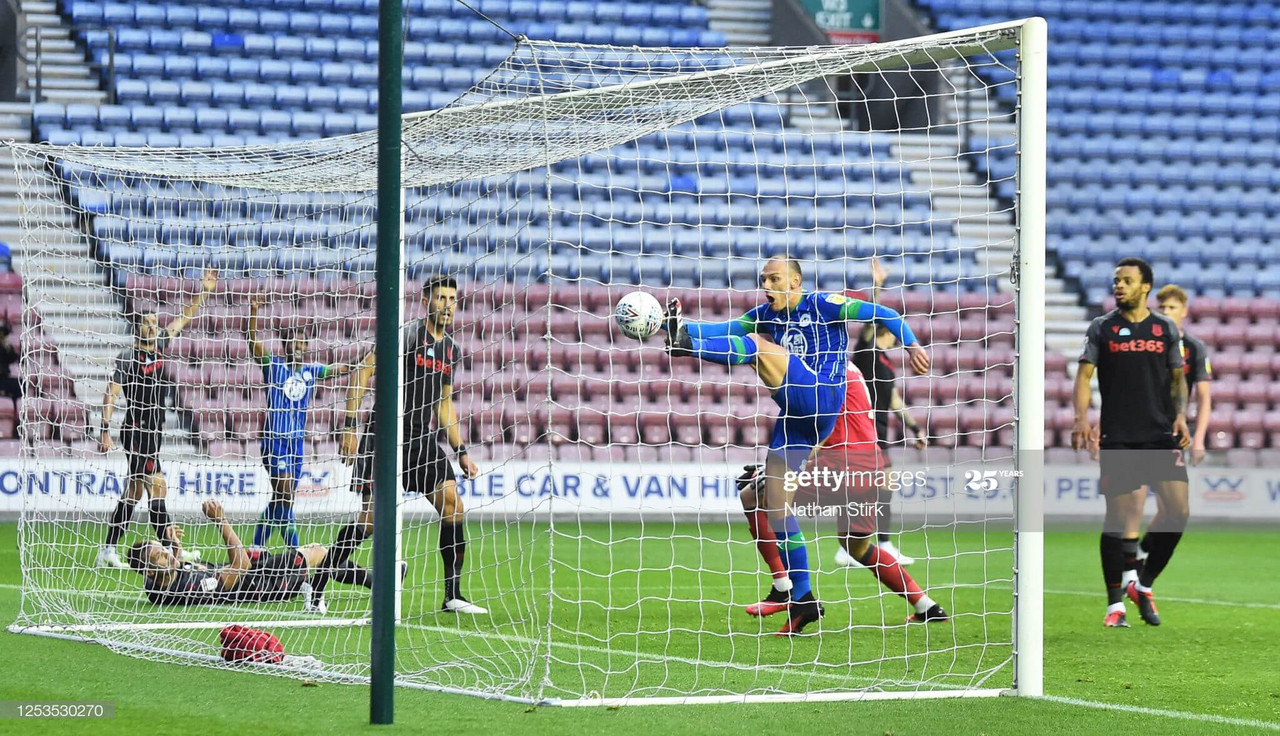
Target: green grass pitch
{"points": [[634, 606]]}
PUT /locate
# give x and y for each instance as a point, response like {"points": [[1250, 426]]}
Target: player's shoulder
{"points": [[1102, 320], [1195, 343], [1169, 326]]}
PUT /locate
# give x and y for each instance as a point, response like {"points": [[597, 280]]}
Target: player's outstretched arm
{"points": [[840, 308], [348, 444], [237, 558], [259, 350], [207, 284], [447, 417], [108, 408], [879, 274]]}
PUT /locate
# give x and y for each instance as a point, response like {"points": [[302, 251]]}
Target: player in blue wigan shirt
{"points": [[291, 382], [798, 344]]}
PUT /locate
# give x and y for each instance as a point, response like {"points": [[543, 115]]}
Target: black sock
{"points": [[1130, 547], [349, 538], [349, 573], [1144, 544], [1161, 550], [119, 521], [453, 548], [1112, 549], [160, 520]]}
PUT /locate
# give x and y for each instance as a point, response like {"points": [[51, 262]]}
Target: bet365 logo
{"points": [[984, 481]]}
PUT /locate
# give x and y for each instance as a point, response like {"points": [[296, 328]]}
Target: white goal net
{"points": [[604, 532]]}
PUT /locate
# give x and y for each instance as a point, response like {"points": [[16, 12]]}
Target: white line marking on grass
{"points": [[1175, 599], [1181, 715]]}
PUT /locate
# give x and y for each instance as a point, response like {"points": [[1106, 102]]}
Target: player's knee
{"points": [[450, 504], [156, 487]]}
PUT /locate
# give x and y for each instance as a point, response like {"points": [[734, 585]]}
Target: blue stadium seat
{"points": [[197, 93], [289, 97], [290, 47], [211, 120]]}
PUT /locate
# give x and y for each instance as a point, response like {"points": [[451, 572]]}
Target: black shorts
{"points": [[425, 466], [142, 450], [273, 577], [1129, 466]]}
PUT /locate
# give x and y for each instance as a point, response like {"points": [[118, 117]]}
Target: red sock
{"points": [[766, 542], [890, 574]]}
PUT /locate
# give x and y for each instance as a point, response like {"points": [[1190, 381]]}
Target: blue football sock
{"points": [[266, 525], [796, 554], [730, 350]]}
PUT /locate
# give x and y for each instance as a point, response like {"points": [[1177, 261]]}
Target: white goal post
{"points": [[604, 533]]}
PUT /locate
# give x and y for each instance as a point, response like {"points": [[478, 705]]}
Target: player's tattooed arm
{"points": [[1204, 406], [348, 442], [207, 284], [1178, 392], [260, 352], [897, 406], [237, 558], [447, 417], [108, 408]]}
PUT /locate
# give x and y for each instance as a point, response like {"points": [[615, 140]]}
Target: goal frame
{"points": [[1028, 280]]}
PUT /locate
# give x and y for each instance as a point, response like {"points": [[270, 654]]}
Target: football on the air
{"points": [[638, 314]]}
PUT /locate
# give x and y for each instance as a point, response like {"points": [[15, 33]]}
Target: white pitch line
{"points": [[1178, 714], [1175, 599]]}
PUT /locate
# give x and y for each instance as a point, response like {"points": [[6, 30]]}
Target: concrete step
{"points": [[49, 43], [740, 14], [68, 96], [50, 58], [45, 19], [738, 38], [39, 6], [71, 80]]}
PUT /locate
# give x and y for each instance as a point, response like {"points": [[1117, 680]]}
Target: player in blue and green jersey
{"points": [[291, 382], [798, 344]]}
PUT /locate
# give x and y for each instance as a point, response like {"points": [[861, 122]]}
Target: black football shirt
{"points": [[1135, 365], [146, 384]]}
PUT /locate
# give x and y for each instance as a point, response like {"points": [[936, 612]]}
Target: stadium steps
{"points": [[65, 73], [743, 22]]}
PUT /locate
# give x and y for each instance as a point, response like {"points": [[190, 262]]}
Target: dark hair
{"points": [[1143, 267], [134, 555], [437, 282]]}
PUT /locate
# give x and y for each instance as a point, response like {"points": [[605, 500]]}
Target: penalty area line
{"points": [[1178, 714]]}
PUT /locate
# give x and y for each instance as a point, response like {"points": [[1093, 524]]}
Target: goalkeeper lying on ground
{"points": [[245, 577]]}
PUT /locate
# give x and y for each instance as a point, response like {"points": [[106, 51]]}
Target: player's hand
{"points": [[174, 534], [213, 510], [210, 280], [1198, 451], [921, 441], [879, 274], [469, 468], [1181, 432], [919, 359], [348, 446], [105, 444], [257, 301], [1081, 435]]}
